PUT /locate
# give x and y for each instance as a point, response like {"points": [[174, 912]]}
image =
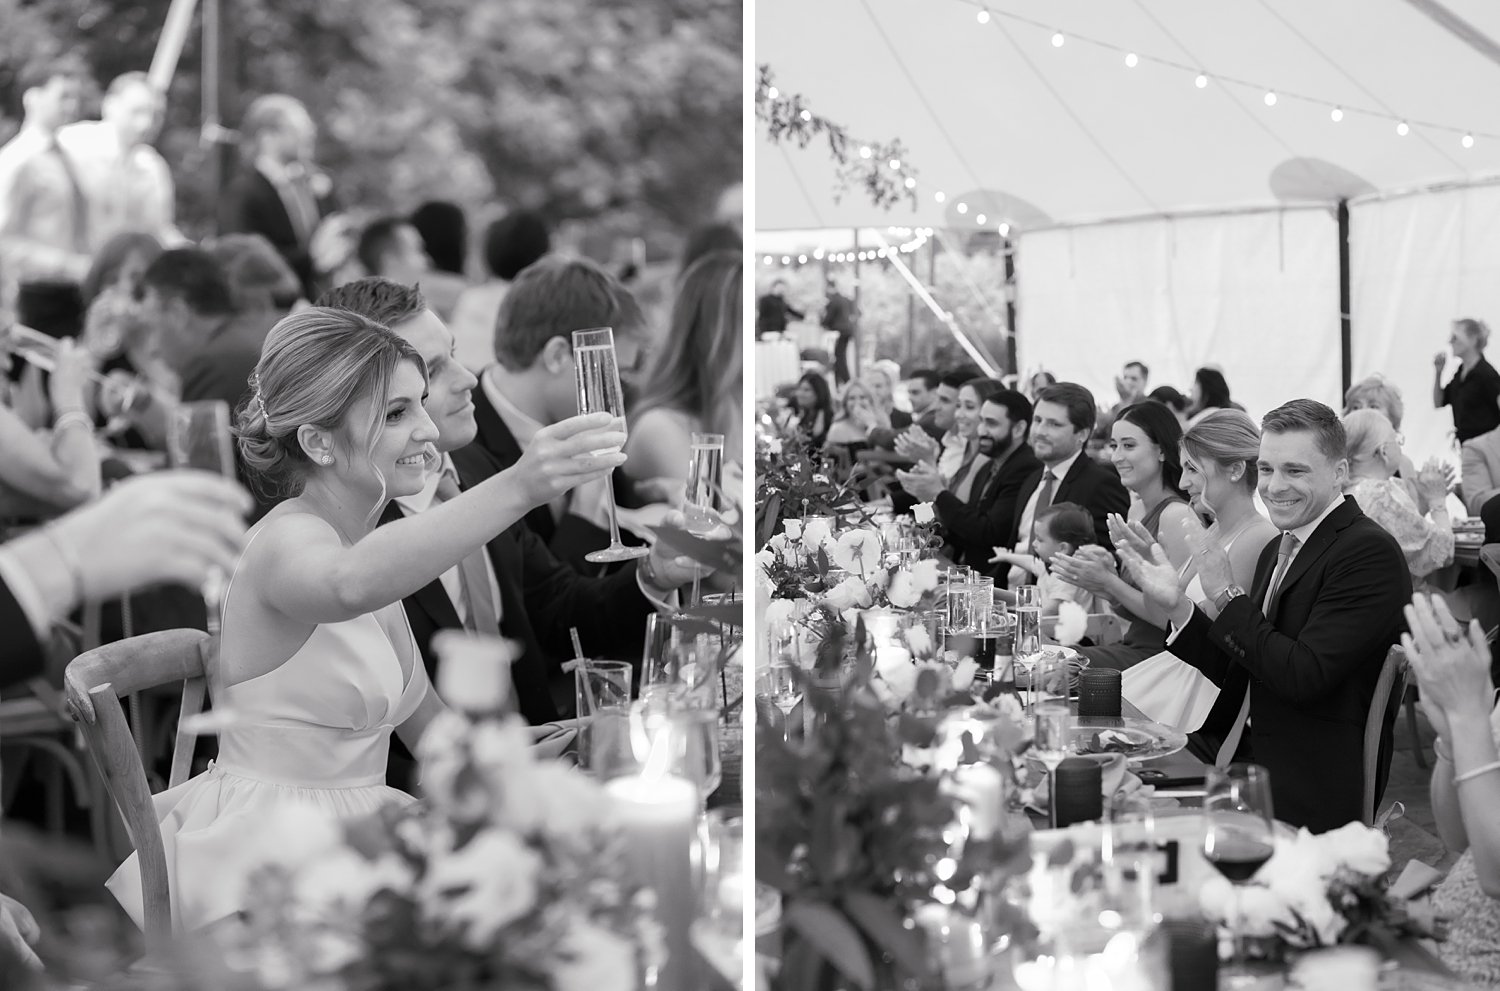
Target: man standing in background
{"points": [[839, 314]]}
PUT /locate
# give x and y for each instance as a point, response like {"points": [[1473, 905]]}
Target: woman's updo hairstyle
{"points": [[315, 365], [1226, 437]]}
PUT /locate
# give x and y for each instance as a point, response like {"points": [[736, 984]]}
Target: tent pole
{"points": [[932, 281], [1008, 247], [1345, 328]]}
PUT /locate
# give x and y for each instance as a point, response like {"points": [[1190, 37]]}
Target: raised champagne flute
{"points": [[1238, 838], [198, 437], [598, 380], [705, 475]]}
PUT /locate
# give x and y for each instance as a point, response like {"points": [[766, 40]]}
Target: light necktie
{"points": [[1043, 500], [80, 201], [474, 579], [1237, 731]]}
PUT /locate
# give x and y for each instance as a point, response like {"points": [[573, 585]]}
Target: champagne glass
{"points": [[1051, 721], [198, 437], [1238, 837], [705, 474], [598, 380]]}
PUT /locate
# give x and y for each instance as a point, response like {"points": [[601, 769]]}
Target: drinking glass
{"points": [[662, 655], [598, 381], [198, 437], [705, 474], [1238, 837], [722, 836], [1051, 721], [1028, 620], [694, 737], [1130, 855], [602, 692]]}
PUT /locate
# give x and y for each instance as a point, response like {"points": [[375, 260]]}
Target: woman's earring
{"points": [[326, 460]]}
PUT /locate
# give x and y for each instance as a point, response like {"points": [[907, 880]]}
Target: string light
{"points": [[979, 220], [895, 164], [963, 208], [1058, 39], [774, 93], [818, 253], [1402, 129], [864, 152], [801, 259], [939, 196], [1201, 81], [911, 183], [806, 115], [786, 259], [984, 17], [1005, 230], [1468, 141], [1132, 60], [768, 259], [1270, 98], [1336, 115]]}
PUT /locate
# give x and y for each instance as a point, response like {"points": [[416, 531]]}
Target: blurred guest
{"points": [[1481, 481], [532, 382], [811, 411], [1210, 392], [1373, 448], [444, 231], [706, 240], [1474, 390], [948, 448], [45, 240], [921, 389], [1039, 380], [1378, 392], [1130, 385], [693, 383], [857, 417], [882, 385], [260, 280], [840, 316], [278, 193], [1174, 401], [127, 182], [899, 399], [40, 475], [510, 244], [773, 312], [391, 248], [113, 327]]}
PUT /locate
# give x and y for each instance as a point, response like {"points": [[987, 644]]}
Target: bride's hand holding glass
{"points": [[567, 454]]}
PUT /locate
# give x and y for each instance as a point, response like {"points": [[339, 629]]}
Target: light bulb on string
{"points": [[864, 152], [786, 259], [895, 164], [979, 220], [806, 115], [1336, 115], [768, 260], [1270, 98], [984, 17], [1467, 141], [1005, 230], [939, 196], [1058, 39], [1132, 60], [1402, 129], [911, 183], [818, 253], [963, 208], [801, 259], [1201, 81], [773, 93]]}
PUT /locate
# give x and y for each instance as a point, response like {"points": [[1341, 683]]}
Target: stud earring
{"points": [[326, 460]]}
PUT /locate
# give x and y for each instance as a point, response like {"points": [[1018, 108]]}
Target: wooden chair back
{"points": [[1392, 684], [103, 675]]}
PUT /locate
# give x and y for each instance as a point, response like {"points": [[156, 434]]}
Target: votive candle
{"points": [[658, 818]]}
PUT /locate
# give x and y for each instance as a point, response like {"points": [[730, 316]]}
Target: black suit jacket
{"points": [[1087, 483], [21, 654], [503, 448], [975, 528], [1311, 667], [251, 205]]}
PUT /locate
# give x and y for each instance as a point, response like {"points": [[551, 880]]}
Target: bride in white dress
{"points": [[317, 665]]}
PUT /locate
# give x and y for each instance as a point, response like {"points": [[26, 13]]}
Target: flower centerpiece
{"points": [[793, 481], [1318, 891]]}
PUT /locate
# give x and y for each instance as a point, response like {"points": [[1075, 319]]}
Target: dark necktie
{"points": [[1237, 731], [473, 577], [981, 482], [1043, 500]]}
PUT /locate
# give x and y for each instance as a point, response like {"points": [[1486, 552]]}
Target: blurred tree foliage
{"points": [[626, 113]]}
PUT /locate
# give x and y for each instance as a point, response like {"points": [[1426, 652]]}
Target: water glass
{"points": [[722, 841], [602, 693]]}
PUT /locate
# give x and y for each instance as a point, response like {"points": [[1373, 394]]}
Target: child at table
{"points": [[1061, 528]]}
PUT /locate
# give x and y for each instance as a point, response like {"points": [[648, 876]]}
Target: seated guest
{"points": [[1061, 528], [858, 416], [977, 510], [176, 526], [531, 597], [260, 280], [391, 248], [1039, 380], [693, 383], [1174, 401], [1130, 384], [1210, 392], [112, 326], [1297, 657], [884, 379], [948, 448], [444, 231], [1474, 390], [41, 475], [1374, 451], [811, 409], [1452, 667], [707, 240], [921, 389], [1376, 392], [510, 244], [531, 384], [1481, 481], [1061, 423]]}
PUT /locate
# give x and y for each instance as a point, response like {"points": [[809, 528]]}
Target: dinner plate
{"points": [[1138, 739]]}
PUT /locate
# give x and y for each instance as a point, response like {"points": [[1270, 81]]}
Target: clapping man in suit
{"points": [[1060, 427], [517, 589], [1298, 654], [975, 525]]}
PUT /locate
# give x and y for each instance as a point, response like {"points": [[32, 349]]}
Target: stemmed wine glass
{"points": [[1238, 836], [1051, 721], [198, 437], [598, 380], [705, 474]]}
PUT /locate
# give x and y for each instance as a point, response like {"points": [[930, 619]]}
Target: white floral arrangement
{"points": [[507, 876], [1316, 890]]}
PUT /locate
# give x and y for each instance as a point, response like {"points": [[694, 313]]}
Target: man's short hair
{"points": [[955, 380], [39, 74], [387, 303], [268, 112], [125, 80], [1068, 523], [1017, 406], [1141, 367], [515, 241], [1078, 401], [378, 237], [193, 276], [554, 297], [927, 376], [1309, 414], [445, 234]]}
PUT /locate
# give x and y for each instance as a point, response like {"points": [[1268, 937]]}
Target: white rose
{"points": [[766, 559], [848, 594], [1260, 908], [773, 446], [483, 887], [778, 543], [793, 528], [924, 574], [1356, 846], [918, 639], [815, 532], [593, 959], [903, 591], [963, 675], [897, 671], [1072, 623], [923, 513]]}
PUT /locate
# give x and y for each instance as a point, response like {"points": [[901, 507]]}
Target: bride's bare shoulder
{"points": [[286, 526]]}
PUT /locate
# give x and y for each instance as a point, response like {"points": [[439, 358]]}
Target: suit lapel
{"points": [[1065, 484], [1317, 545]]}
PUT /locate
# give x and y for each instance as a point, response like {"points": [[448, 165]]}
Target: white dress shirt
{"points": [[452, 583], [129, 189]]}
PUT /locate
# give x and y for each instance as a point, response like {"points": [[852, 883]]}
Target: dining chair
{"points": [[94, 683], [1391, 685]]}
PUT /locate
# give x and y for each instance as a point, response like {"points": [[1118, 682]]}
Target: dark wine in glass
{"points": [[1238, 857], [1238, 837]]}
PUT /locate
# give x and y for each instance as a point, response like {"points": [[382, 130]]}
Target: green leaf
{"points": [[716, 554], [834, 937], [878, 918], [769, 519]]}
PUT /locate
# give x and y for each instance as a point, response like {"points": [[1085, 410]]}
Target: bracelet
{"points": [[69, 560], [1483, 769], [71, 417]]}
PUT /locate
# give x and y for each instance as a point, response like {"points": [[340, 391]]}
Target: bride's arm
{"points": [[427, 710], [308, 575]]}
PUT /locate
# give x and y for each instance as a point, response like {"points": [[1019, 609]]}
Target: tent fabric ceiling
{"points": [[1080, 137]]}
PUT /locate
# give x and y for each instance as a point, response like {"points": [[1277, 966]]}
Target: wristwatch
{"points": [[1222, 599]]}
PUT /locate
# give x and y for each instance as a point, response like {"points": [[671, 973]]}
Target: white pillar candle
{"points": [[658, 818]]}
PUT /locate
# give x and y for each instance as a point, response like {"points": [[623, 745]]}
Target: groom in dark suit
{"points": [[1060, 427], [1297, 655]]}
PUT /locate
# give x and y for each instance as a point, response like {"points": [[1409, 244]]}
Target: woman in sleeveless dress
{"points": [[316, 666], [1452, 665], [1143, 447]]}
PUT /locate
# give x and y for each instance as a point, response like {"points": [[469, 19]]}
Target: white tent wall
{"points": [[1417, 262], [1256, 294]]}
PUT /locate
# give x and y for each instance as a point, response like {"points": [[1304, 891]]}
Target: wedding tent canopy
{"points": [[1162, 219]]}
